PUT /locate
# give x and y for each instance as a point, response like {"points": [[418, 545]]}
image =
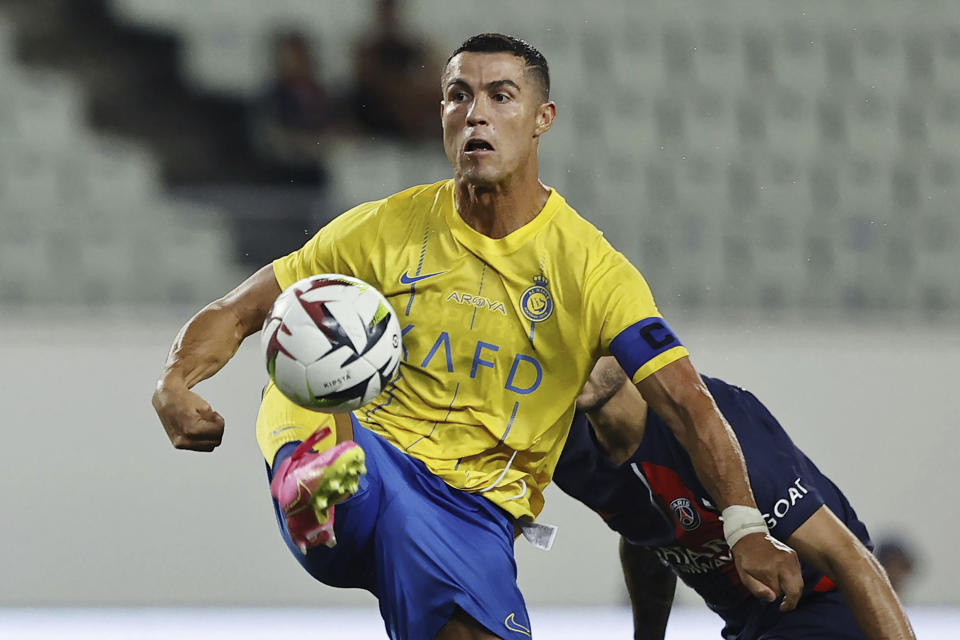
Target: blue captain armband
{"points": [[646, 347]]}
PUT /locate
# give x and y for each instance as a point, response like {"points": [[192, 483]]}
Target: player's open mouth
{"points": [[476, 146]]}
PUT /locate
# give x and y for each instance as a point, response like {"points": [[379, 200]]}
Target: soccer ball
{"points": [[331, 343]]}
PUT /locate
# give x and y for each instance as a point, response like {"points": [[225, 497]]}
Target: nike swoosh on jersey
{"points": [[408, 279], [511, 623], [282, 429]]}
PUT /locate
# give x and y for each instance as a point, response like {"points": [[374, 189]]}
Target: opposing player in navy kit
{"points": [[641, 482]]}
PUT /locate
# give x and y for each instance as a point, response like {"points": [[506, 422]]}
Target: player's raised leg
{"points": [[308, 484], [315, 465]]}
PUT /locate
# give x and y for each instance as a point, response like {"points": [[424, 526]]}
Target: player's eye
{"points": [[458, 96], [501, 97]]}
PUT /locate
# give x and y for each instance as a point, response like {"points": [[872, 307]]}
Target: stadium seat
{"points": [[943, 118], [638, 59], [807, 161], [46, 109], [791, 122], [871, 122], [938, 262], [29, 175], [718, 58], [947, 54], [880, 59]]}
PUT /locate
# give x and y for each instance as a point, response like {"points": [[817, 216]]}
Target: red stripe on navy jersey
{"points": [[701, 546], [825, 585]]}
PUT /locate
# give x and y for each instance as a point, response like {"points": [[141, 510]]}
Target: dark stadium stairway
{"points": [[135, 89]]}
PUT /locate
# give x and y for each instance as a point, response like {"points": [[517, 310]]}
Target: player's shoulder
{"points": [[415, 200], [586, 249], [578, 235], [730, 397], [570, 222], [396, 209], [727, 391], [720, 386]]}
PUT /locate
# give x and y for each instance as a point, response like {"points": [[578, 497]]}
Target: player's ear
{"points": [[546, 114]]}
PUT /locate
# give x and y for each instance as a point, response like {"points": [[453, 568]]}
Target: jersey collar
{"points": [[485, 245]]}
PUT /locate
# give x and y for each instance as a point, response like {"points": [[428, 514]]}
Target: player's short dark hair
{"points": [[500, 43]]}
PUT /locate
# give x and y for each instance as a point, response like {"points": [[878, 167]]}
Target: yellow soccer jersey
{"points": [[499, 335]]}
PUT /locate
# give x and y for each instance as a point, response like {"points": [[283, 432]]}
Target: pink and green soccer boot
{"points": [[308, 484]]}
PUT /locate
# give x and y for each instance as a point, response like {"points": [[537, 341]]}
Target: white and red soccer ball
{"points": [[331, 343]]}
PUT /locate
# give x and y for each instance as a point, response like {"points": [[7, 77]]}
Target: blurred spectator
{"points": [[295, 112], [291, 119], [899, 559], [396, 92]]}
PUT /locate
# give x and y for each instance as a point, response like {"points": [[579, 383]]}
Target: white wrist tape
{"points": [[740, 521]]}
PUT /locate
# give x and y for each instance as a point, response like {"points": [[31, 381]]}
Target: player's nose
{"points": [[477, 114]]}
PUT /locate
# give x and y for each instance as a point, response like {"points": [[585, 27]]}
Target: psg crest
{"points": [[536, 303], [686, 514]]}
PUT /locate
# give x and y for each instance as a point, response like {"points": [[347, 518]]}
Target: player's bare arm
{"points": [[827, 544], [680, 397], [651, 586], [202, 347], [615, 407], [767, 567]]}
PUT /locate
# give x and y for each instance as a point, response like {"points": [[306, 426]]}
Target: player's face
{"points": [[493, 113]]}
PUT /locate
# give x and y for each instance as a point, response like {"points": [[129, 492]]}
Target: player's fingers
{"points": [[206, 412], [197, 435], [206, 446], [209, 420], [757, 588], [189, 444], [792, 584]]}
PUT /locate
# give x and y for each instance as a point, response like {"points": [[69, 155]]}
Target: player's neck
{"points": [[498, 210]]}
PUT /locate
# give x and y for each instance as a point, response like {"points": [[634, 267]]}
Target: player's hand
{"points": [[769, 569], [189, 420]]}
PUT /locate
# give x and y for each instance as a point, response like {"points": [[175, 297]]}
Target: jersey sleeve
{"points": [[342, 246], [783, 480], [620, 310]]}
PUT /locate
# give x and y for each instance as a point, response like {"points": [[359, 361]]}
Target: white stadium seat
{"points": [[826, 138]]}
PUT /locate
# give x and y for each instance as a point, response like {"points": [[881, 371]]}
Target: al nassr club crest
{"points": [[536, 303]]}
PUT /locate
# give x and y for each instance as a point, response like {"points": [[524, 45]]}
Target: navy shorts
{"points": [[421, 547], [819, 616]]}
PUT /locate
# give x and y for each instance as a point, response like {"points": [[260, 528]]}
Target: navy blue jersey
{"points": [[655, 500]]}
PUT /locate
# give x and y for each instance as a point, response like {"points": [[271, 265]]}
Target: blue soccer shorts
{"points": [[420, 546]]}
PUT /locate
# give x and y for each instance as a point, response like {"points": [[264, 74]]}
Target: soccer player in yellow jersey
{"points": [[506, 298]]}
